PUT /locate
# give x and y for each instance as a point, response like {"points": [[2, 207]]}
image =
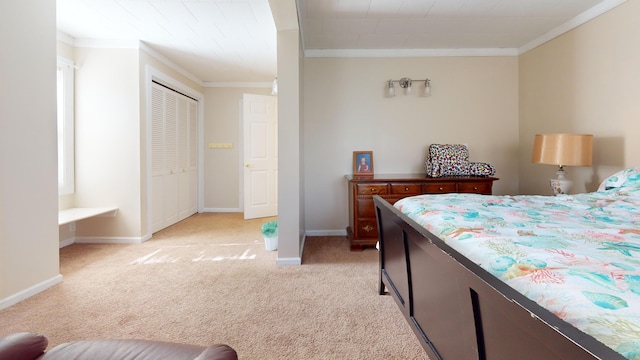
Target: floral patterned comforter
{"points": [[576, 255]]}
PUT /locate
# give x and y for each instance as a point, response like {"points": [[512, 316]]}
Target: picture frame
{"points": [[363, 162]]}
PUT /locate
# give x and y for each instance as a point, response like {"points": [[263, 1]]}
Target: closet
{"points": [[173, 156]]}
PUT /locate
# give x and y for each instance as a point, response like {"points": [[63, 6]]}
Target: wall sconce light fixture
{"points": [[407, 84]]}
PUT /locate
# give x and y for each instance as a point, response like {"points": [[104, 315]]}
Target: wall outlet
{"points": [[72, 226]]}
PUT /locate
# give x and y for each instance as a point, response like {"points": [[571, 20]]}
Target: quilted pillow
{"points": [[623, 178], [447, 160], [481, 169]]}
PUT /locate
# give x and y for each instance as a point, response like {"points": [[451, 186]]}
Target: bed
{"points": [[517, 277]]}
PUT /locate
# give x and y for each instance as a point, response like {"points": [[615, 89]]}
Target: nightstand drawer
{"points": [[369, 189], [406, 189], [472, 187], [437, 188]]}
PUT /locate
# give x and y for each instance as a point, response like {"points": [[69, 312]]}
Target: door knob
{"points": [[247, 165]]}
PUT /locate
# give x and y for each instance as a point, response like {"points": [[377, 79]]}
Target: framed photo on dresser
{"points": [[363, 162]]}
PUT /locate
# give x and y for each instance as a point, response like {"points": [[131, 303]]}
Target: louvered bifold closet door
{"points": [[183, 157], [173, 176], [193, 157], [157, 158]]}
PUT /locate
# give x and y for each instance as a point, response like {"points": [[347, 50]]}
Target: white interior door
{"points": [[260, 124]]}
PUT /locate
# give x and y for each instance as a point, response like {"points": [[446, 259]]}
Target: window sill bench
{"points": [[74, 214]]}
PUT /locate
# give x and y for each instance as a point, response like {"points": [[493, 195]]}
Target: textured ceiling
{"points": [[235, 40], [214, 40], [432, 24]]}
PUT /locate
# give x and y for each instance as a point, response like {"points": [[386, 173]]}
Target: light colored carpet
{"points": [[209, 279]]}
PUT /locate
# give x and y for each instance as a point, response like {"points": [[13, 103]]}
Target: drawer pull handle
{"points": [[475, 188], [367, 228], [440, 188], [406, 189]]}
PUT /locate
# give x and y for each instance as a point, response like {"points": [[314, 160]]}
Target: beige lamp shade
{"points": [[562, 149]]}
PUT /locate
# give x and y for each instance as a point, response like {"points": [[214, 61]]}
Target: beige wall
{"points": [[585, 81], [222, 167], [291, 212], [107, 119], [29, 260], [474, 101]]}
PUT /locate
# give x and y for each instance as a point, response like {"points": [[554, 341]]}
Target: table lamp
{"points": [[562, 150]]}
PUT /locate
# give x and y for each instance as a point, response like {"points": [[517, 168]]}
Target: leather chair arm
{"points": [[135, 350], [22, 346], [218, 352]]}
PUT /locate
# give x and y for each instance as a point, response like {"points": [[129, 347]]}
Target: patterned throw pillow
{"points": [[481, 169], [447, 160], [623, 178]]}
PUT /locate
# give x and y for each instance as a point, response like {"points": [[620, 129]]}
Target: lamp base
{"points": [[561, 184]]}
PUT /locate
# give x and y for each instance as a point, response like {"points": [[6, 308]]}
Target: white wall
{"points": [[29, 260], [585, 81], [474, 101]]}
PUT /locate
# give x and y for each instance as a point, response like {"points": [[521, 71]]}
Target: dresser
{"points": [[363, 227]]}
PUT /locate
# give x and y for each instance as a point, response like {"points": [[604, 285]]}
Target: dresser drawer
{"points": [[365, 208], [436, 188], [475, 187], [406, 188], [371, 189], [363, 229], [366, 229]]}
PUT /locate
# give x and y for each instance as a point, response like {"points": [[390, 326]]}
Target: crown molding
{"points": [[156, 55], [106, 43], [353, 53], [126, 44], [216, 84], [582, 18], [62, 37]]}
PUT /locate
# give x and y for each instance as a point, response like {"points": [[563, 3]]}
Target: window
{"points": [[66, 172]]}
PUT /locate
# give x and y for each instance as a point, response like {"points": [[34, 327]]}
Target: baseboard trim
{"points": [[67, 242], [108, 240], [222, 210], [29, 292], [326, 232], [293, 261]]}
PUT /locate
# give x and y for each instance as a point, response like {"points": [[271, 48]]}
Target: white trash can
{"points": [[271, 243], [270, 233]]}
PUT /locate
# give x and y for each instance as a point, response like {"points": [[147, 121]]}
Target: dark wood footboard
{"points": [[460, 311]]}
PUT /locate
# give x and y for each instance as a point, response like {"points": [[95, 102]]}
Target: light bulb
{"points": [[391, 91]]}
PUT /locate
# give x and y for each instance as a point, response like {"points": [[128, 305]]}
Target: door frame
{"points": [[152, 74]]}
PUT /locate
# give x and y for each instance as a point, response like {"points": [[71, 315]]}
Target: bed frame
{"points": [[460, 311]]}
